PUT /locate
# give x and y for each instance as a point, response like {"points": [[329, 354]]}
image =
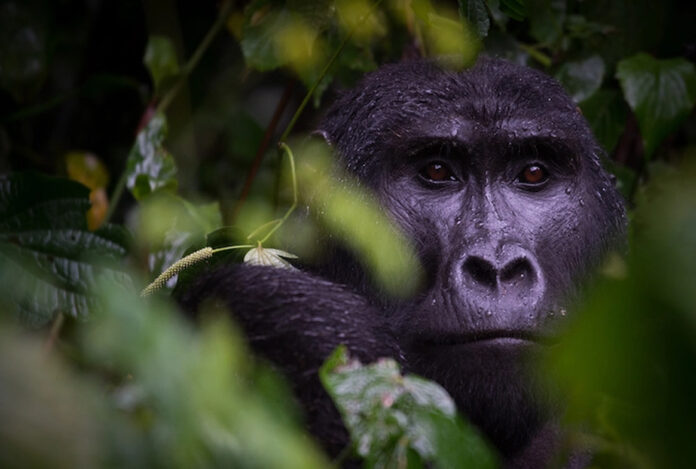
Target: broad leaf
{"points": [[660, 92], [150, 166], [160, 60], [475, 12], [48, 257], [606, 112], [582, 78], [397, 420], [515, 9], [546, 18]]}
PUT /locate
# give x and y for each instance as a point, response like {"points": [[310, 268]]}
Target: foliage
{"points": [[72, 96], [400, 421]]}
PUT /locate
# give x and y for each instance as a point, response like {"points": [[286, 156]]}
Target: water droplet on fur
{"points": [[458, 221], [434, 302], [581, 202], [489, 313], [568, 190], [563, 312]]}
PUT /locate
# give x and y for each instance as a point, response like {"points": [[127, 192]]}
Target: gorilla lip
{"points": [[511, 337]]}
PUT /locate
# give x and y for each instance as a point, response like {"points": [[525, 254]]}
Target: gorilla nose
{"points": [[518, 275]]}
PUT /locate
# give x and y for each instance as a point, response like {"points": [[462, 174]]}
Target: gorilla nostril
{"points": [[481, 271], [517, 270]]}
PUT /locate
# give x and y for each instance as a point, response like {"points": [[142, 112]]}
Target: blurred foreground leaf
{"points": [[660, 92], [150, 167], [626, 367], [168, 227], [400, 421], [48, 257], [208, 404], [351, 214], [48, 418], [476, 13]]}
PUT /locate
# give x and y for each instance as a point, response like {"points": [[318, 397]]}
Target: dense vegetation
{"points": [[133, 134]]}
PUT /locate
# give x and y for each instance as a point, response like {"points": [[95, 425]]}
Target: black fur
{"points": [[501, 258]]}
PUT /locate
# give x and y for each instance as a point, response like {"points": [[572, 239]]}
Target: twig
{"points": [[286, 149], [56, 326], [196, 57], [270, 130]]}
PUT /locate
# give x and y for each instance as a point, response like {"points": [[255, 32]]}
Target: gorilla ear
{"points": [[322, 134]]}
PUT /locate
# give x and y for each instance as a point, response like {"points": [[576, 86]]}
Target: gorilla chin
{"points": [[490, 381]]}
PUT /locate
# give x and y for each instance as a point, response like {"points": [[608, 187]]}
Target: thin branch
{"points": [[196, 57], [56, 326], [291, 157], [268, 135]]}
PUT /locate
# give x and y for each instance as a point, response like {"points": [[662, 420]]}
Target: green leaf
{"points": [[150, 167], [24, 51], [48, 257], [475, 12], [160, 60], [546, 19], [605, 111], [168, 225], [515, 9], [582, 78], [660, 92], [262, 20], [207, 404], [389, 416], [633, 339], [354, 217]]}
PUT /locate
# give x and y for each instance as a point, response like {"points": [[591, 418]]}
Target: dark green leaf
{"points": [[49, 258], [160, 60], [633, 339], [23, 51], [605, 110], [150, 167], [582, 78], [660, 92], [394, 418], [515, 9], [546, 19], [262, 20], [475, 12], [208, 403]]}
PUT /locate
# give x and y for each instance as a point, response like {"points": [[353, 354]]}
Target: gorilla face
{"points": [[494, 175]]}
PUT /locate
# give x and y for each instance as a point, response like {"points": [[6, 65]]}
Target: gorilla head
{"points": [[495, 176]]}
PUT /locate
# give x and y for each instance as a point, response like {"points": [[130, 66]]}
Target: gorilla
{"points": [[495, 176]]}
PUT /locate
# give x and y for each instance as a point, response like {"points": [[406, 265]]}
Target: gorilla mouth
{"points": [[495, 336]]}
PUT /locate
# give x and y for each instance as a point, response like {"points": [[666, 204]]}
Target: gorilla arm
{"points": [[295, 320]]}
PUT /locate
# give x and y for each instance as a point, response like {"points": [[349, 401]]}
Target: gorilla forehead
{"points": [[494, 100]]}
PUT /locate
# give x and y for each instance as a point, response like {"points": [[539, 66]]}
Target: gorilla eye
{"points": [[437, 172], [533, 175]]}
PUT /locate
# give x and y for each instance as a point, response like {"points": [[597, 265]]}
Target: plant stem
{"points": [[270, 130], [115, 197], [196, 57], [283, 147], [56, 326]]}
